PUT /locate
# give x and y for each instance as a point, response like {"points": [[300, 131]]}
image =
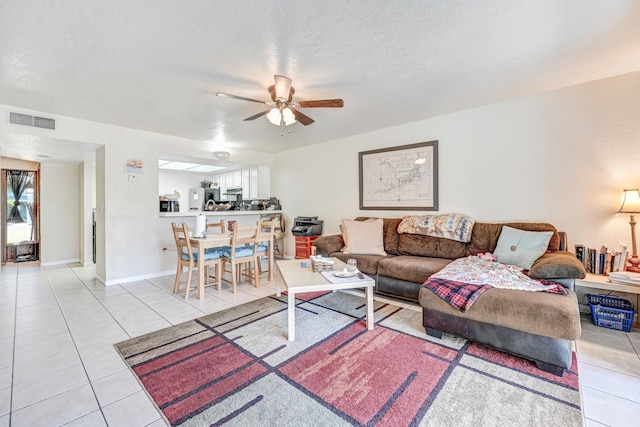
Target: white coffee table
{"points": [[297, 279]]}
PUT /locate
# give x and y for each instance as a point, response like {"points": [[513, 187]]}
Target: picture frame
{"points": [[400, 178]]}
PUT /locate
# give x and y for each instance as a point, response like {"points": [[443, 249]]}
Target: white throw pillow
{"points": [[521, 248], [363, 237]]}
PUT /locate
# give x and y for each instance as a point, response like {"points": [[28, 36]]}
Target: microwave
{"points": [[169, 206]]}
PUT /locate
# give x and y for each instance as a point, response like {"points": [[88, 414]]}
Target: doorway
{"points": [[20, 218]]}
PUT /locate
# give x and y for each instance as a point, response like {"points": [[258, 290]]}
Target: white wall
{"points": [[87, 204], [101, 238], [130, 233], [170, 181], [562, 157], [60, 224]]}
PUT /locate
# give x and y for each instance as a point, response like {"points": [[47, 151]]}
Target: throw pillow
{"points": [[521, 248], [363, 237], [344, 233]]}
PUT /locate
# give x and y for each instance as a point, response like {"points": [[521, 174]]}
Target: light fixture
{"points": [[631, 206], [281, 116], [221, 155], [274, 116], [169, 165]]}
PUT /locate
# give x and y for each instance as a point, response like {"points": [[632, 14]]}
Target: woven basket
{"points": [[321, 266]]}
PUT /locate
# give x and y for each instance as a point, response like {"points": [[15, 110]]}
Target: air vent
{"points": [[33, 121]]}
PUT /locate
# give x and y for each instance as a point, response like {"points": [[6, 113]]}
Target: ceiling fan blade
{"points": [[255, 116], [241, 98], [323, 103], [283, 86], [305, 120]]}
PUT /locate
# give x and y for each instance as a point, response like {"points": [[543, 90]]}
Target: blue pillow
{"points": [[521, 248]]}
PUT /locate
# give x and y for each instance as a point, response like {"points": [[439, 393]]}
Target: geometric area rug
{"points": [[236, 367]]}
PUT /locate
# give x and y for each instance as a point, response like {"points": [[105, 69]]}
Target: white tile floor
{"points": [[58, 365]]}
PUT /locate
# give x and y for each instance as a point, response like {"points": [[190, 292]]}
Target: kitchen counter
{"points": [[216, 213]]}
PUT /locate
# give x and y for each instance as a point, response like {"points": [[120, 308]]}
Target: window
{"points": [[20, 237]]}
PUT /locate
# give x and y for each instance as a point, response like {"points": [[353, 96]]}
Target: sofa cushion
{"points": [[363, 237], [484, 238], [540, 313], [557, 264], [428, 246], [327, 245], [410, 268], [521, 248]]}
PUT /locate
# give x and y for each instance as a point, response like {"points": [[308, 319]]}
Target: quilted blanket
{"points": [[462, 281], [449, 226]]}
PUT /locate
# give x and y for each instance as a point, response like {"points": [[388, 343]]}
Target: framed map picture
{"points": [[400, 178]]}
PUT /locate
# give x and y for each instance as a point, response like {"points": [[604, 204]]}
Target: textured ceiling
{"points": [[156, 65]]}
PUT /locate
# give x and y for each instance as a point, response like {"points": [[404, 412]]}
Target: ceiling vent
{"points": [[33, 121]]}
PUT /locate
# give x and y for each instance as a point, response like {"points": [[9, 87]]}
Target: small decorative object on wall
{"points": [[400, 178], [133, 167]]}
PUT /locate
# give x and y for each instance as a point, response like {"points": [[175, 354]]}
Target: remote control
{"points": [[360, 275]]}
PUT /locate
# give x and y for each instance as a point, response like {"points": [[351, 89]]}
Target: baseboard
{"points": [[66, 261], [134, 278]]}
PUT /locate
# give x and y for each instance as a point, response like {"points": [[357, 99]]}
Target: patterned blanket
{"points": [[462, 281], [449, 226]]}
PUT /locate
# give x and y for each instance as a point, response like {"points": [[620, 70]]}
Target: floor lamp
{"points": [[631, 206]]}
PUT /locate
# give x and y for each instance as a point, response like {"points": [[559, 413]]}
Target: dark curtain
{"points": [[17, 181], [33, 227]]}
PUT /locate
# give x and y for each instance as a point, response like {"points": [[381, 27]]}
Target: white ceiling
{"points": [[156, 65]]}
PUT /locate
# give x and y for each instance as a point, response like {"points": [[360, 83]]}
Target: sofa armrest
{"points": [[557, 265], [326, 245]]}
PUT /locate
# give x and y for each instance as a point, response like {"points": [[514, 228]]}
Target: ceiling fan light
{"points": [[283, 87], [274, 116], [288, 116]]}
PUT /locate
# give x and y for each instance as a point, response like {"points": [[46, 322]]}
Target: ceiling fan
{"points": [[283, 111]]}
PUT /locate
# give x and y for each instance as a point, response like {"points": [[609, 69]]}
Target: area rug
{"points": [[237, 368]]}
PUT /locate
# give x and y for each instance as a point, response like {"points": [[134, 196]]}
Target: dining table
{"points": [[216, 240]]}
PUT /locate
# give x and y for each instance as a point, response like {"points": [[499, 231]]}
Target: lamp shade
{"points": [[274, 116], [288, 116], [281, 115], [630, 202]]}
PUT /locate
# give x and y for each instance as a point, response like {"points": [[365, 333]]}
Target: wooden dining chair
{"points": [[188, 258], [214, 225], [264, 247], [242, 253], [217, 228], [278, 232]]}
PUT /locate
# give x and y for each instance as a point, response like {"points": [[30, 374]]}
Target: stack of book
{"points": [[625, 277], [603, 260]]}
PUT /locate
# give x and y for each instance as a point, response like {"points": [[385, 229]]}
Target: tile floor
{"points": [[58, 365]]}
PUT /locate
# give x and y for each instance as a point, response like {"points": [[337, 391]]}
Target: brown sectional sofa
{"points": [[535, 325]]}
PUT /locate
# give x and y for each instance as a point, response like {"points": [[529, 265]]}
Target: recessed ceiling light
{"points": [[178, 166], [187, 167], [204, 168]]}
